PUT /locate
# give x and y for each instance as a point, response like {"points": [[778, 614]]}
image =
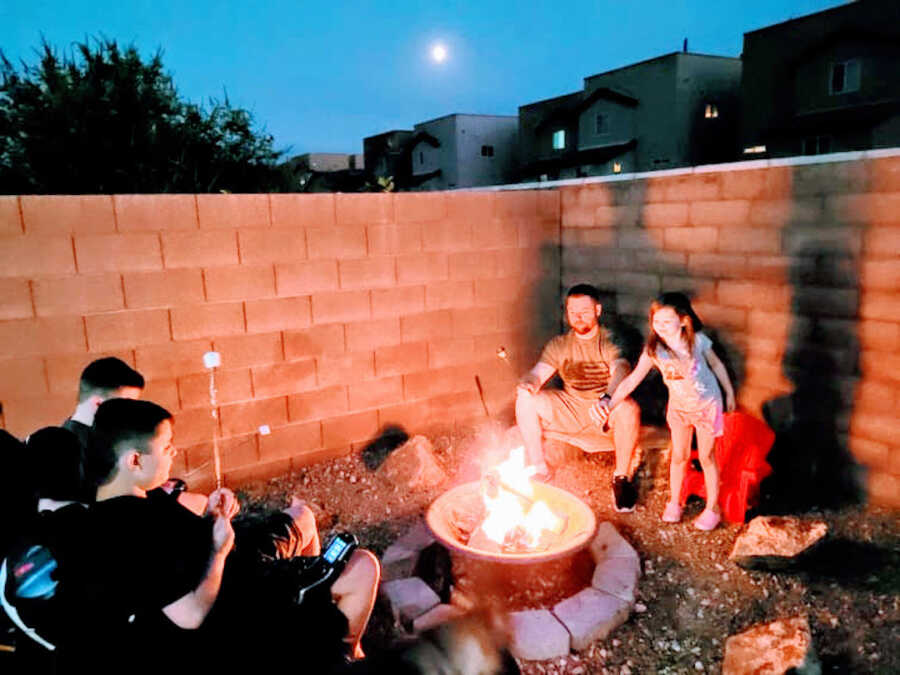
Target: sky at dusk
{"points": [[320, 76]]}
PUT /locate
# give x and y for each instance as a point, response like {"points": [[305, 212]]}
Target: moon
{"points": [[438, 53]]}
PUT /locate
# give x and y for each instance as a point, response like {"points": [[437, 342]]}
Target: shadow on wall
{"points": [[810, 458]]}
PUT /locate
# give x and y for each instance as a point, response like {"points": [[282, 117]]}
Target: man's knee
{"points": [[363, 572]]}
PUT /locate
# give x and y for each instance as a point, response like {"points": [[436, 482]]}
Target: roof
{"points": [[839, 8], [660, 58]]}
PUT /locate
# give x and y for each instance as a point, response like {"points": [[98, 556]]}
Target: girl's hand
{"points": [[222, 502], [222, 536], [599, 412], [729, 402]]}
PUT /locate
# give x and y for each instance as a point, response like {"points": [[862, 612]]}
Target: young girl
{"points": [[689, 368]]}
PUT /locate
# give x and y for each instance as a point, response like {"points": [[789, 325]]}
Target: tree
{"points": [[101, 120]]}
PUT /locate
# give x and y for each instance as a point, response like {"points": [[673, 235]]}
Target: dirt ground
{"points": [[690, 597]]}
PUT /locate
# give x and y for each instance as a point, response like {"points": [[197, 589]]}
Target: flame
{"points": [[514, 517]]}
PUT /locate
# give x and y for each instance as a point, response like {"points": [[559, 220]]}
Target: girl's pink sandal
{"points": [[708, 520]]}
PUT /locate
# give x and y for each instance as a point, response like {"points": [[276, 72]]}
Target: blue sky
{"points": [[320, 76]]}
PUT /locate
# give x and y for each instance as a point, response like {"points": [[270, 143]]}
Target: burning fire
{"points": [[515, 518]]}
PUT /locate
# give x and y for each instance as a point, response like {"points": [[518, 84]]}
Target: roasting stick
{"points": [[212, 360]]}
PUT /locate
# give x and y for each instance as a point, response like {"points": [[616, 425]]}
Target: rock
{"points": [[436, 616], [398, 562], [536, 635], [591, 615], [412, 466], [608, 543], [416, 537], [409, 598], [778, 647], [618, 577], [776, 542]]}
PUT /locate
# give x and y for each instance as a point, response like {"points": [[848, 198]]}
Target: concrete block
{"points": [[276, 314], [196, 321], [241, 351], [247, 417], [171, 359], [272, 245], [449, 235], [608, 543], [16, 299], [33, 256], [422, 267], [287, 377], [749, 240], [364, 209], [304, 278], [57, 214], [443, 353], [344, 368], [302, 210], [437, 616], [127, 329], [591, 615], [196, 425], [193, 390], [420, 207], [449, 294], [26, 377], [243, 282], [367, 272], [375, 393], [472, 265], [346, 429], [618, 577], [318, 404], [341, 306], [10, 218], [165, 288], [331, 243], [409, 598], [408, 357], [290, 441], [673, 214], [232, 210], [466, 207], [495, 234], [397, 301], [724, 213], [692, 239], [325, 339], [394, 239], [78, 294], [743, 184], [537, 635], [368, 335], [516, 205], [199, 249]]}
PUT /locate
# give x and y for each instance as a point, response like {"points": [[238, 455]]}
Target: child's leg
{"points": [[706, 444], [354, 592], [681, 452]]}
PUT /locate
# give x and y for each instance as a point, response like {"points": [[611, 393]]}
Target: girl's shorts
{"points": [[708, 418]]}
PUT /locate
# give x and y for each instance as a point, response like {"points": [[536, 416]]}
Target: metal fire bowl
{"points": [[580, 528]]}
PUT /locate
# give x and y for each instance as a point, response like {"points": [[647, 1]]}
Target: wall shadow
{"points": [[811, 462]]}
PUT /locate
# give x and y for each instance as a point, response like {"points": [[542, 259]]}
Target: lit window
{"points": [[754, 150], [421, 158], [844, 77], [617, 167], [559, 139], [712, 110], [601, 123], [487, 150]]}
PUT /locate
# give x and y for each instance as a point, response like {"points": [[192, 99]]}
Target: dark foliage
{"points": [[101, 120]]}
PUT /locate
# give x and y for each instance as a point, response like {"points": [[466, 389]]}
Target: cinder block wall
{"points": [[795, 269], [335, 315]]}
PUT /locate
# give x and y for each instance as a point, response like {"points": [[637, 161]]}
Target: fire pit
{"points": [[548, 523]]}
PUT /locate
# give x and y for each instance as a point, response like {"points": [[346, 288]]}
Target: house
{"points": [[326, 172], [459, 151], [826, 82], [386, 155], [679, 109]]}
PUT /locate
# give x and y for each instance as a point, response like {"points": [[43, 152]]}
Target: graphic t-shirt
{"points": [[583, 364], [691, 382]]}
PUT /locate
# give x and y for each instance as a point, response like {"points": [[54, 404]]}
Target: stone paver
{"points": [[436, 616], [775, 542], [536, 635], [618, 577], [608, 543], [591, 615], [409, 598]]}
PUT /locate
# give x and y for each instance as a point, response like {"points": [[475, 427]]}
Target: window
{"points": [[559, 139], [617, 167], [712, 111], [601, 124], [487, 150], [844, 77], [421, 157], [755, 150], [815, 145]]}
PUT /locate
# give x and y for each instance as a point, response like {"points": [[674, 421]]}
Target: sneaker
{"points": [[672, 513], [708, 520], [624, 494]]}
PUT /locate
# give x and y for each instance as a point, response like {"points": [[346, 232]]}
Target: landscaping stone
{"points": [[776, 542], [591, 615], [436, 616], [409, 598], [537, 635], [778, 647], [400, 558], [412, 466], [618, 577], [608, 543]]}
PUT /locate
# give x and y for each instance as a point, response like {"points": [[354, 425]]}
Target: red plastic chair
{"points": [[741, 457]]}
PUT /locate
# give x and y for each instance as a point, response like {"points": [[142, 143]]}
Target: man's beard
{"points": [[583, 329]]}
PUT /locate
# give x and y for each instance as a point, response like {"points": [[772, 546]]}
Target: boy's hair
{"points": [[682, 306], [56, 464], [104, 376], [584, 289], [120, 425]]}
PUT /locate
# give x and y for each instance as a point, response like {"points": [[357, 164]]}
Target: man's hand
{"points": [[599, 412], [530, 383], [223, 503]]}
